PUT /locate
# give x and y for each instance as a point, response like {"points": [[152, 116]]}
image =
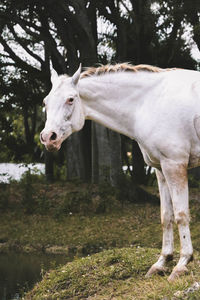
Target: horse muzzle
{"points": [[50, 140]]}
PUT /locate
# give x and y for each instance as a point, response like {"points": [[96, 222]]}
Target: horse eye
{"points": [[70, 101]]}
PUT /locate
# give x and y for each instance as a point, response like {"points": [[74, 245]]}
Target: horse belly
{"points": [[149, 158]]}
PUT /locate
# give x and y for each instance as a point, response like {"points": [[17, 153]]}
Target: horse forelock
{"points": [[124, 67]]}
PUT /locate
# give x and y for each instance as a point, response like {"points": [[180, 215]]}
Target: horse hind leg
{"points": [[176, 177], [167, 219], [197, 125]]}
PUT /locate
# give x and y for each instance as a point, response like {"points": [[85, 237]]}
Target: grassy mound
{"points": [[111, 274]]}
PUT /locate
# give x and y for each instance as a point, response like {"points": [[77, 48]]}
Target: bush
{"points": [[4, 196], [28, 192], [95, 199]]}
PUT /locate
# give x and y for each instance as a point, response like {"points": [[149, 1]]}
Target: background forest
{"points": [[78, 220], [36, 34]]}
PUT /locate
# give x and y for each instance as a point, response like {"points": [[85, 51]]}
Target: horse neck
{"points": [[113, 100]]}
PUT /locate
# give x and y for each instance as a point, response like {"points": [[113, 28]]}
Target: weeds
{"points": [[28, 192], [4, 196], [36, 196]]}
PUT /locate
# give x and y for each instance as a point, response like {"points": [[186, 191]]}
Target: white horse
{"points": [[160, 109]]}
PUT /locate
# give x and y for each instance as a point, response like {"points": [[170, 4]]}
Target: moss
{"points": [[87, 276], [112, 274]]}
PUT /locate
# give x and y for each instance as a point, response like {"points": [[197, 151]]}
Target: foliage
{"points": [[33, 194], [20, 118], [52, 221], [29, 201], [4, 196], [37, 32], [124, 191]]}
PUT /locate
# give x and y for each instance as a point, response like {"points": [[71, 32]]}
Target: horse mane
{"points": [[123, 67]]}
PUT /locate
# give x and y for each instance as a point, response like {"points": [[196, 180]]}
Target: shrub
{"points": [[28, 192], [4, 196]]}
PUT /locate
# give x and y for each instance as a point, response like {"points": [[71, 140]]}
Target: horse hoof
{"points": [[177, 271], [155, 270]]}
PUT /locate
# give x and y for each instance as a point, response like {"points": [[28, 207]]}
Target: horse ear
{"points": [[76, 76], [54, 76]]}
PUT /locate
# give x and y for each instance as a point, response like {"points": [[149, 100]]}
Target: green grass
{"points": [[112, 274], [128, 241], [134, 225]]}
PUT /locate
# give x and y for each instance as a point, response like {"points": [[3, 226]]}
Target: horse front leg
{"points": [[176, 177], [167, 218]]}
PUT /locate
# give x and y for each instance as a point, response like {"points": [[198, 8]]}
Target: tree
{"points": [[35, 33], [151, 32]]}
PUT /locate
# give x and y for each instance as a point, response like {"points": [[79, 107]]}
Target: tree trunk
{"points": [[75, 166], [100, 154], [85, 139], [115, 157], [78, 154]]}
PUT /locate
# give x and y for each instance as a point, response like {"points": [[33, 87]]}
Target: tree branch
{"points": [[23, 44], [5, 64], [23, 24], [21, 63], [51, 43]]}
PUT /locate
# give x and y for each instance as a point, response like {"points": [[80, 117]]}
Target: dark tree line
{"points": [[36, 33]]}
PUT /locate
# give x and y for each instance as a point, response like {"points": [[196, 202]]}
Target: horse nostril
{"points": [[53, 136]]}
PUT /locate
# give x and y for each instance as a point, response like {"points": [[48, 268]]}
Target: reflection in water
{"points": [[19, 271]]}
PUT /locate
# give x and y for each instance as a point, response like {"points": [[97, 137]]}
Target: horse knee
{"points": [[167, 219], [182, 218]]}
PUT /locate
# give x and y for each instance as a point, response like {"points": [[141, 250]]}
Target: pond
{"points": [[23, 270]]}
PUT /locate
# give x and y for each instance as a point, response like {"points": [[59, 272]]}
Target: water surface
{"points": [[23, 270]]}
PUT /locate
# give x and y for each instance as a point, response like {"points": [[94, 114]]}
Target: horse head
{"points": [[64, 110]]}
